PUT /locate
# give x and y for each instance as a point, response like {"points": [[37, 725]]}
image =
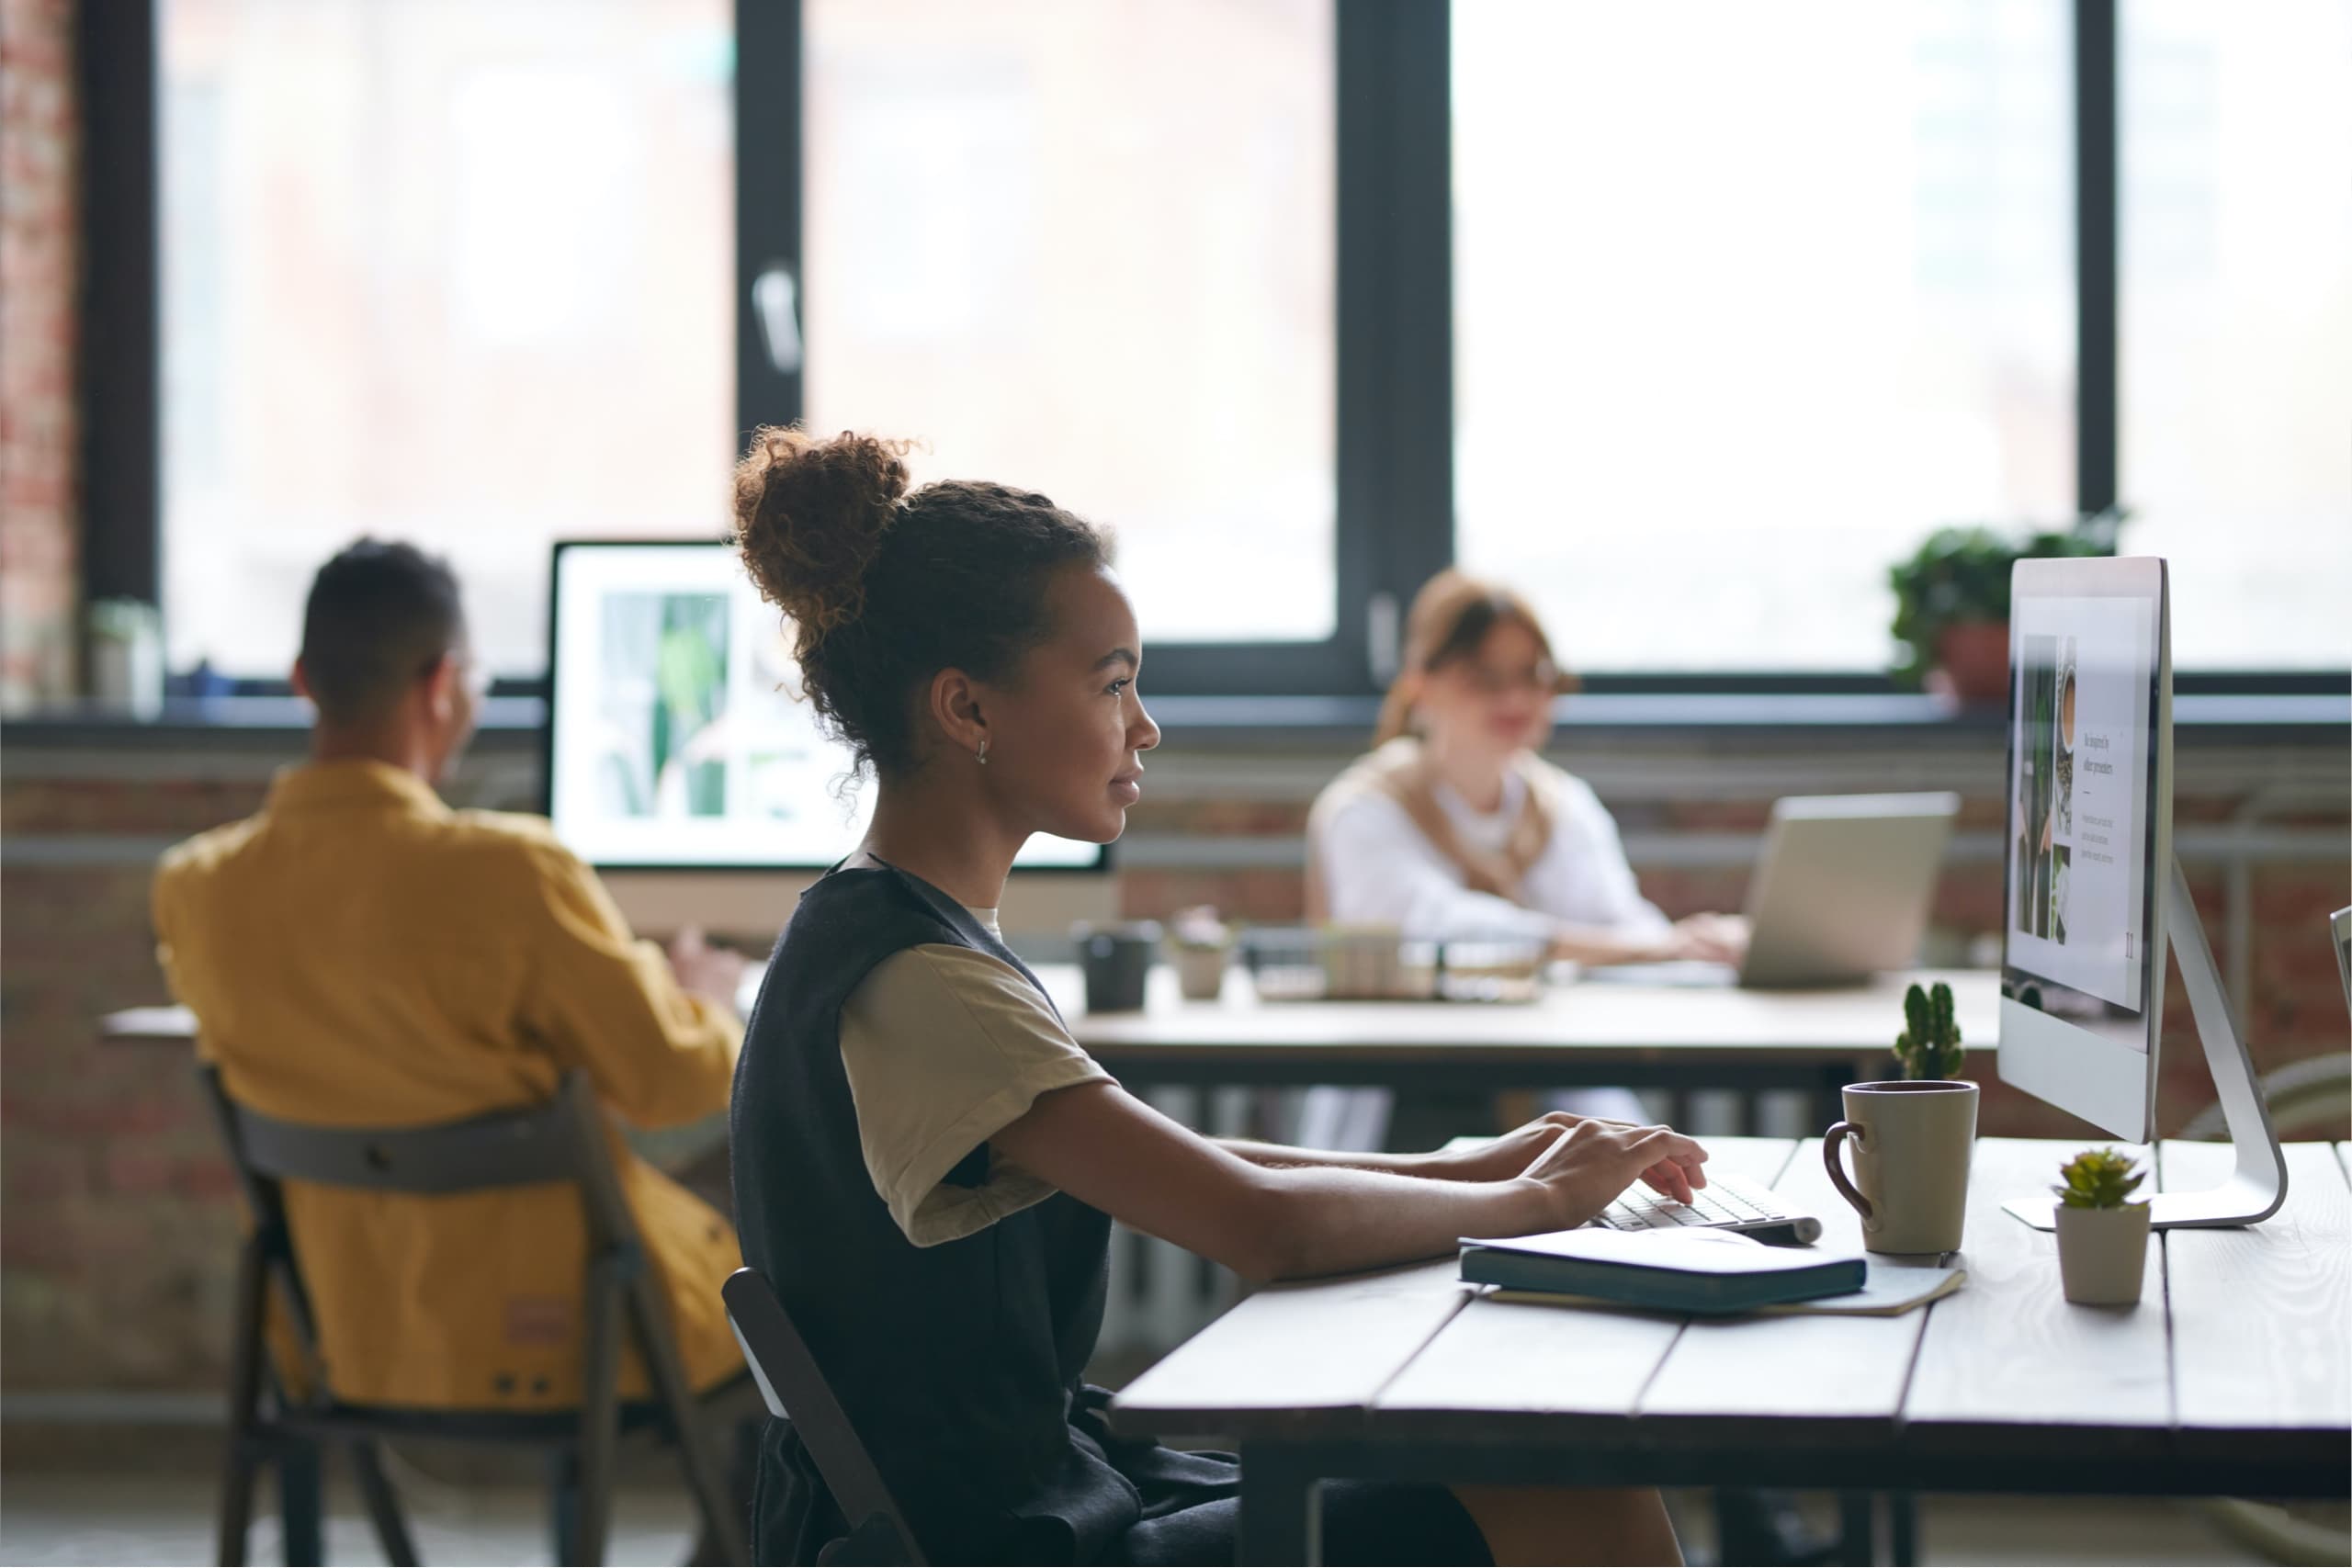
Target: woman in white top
{"points": [[1455, 826]]}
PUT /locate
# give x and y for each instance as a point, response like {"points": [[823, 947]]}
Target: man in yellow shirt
{"points": [[361, 955]]}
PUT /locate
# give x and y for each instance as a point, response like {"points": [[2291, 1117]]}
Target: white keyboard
{"points": [[1726, 1202]]}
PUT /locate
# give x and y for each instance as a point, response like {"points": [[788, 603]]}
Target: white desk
{"points": [[1676, 1037]]}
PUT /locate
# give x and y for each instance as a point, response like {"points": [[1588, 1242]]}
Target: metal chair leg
{"points": [[599, 1414], [563, 1504], [721, 1521], [241, 1459], [301, 1502], [383, 1505]]}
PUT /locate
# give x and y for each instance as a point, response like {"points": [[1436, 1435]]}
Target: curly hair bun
{"points": [[810, 515]]}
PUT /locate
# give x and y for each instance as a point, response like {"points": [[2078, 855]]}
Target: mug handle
{"points": [[1830, 1141]]}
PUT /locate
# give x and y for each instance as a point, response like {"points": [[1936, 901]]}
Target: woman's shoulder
{"points": [[1371, 775], [1562, 790]]}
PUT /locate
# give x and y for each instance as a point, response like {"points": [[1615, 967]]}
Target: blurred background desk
{"points": [[1675, 1038]]}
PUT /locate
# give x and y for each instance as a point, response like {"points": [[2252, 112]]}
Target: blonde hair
{"points": [[1450, 619]]}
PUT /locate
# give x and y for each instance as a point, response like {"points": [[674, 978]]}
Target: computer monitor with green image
{"points": [[676, 738]]}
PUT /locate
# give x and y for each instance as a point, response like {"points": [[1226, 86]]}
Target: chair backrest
{"points": [[505, 1149], [563, 1140], [796, 1390]]}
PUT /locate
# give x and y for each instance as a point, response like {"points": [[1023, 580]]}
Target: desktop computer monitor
{"points": [[679, 754], [2095, 900], [2089, 841]]}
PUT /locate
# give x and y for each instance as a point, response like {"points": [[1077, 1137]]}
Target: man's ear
{"points": [[301, 680], [954, 707], [440, 684]]}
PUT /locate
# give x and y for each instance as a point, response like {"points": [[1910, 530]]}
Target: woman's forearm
{"points": [[1329, 1219], [1599, 944], [1275, 1156]]}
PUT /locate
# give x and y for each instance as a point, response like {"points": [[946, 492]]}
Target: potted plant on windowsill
{"points": [[2102, 1236], [1952, 601]]}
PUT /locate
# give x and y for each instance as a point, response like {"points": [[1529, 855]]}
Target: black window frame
{"points": [[1393, 446]]}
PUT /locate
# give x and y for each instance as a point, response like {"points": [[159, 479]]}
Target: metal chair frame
{"points": [[795, 1389], [563, 1140]]}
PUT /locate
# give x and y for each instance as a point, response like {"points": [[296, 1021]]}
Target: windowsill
{"points": [[1310, 722]]}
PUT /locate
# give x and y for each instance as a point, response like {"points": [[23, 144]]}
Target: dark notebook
{"points": [[1680, 1270]]}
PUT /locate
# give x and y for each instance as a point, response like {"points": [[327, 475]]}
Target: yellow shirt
{"points": [[359, 954]]}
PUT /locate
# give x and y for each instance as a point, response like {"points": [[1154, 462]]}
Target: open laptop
{"points": [[1840, 892]]}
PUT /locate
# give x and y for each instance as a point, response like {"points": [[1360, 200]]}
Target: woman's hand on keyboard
{"points": [[1590, 1162]]}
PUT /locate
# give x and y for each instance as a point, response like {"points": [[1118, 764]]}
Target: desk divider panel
{"points": [[2294, 1268], [2007, 1345]]}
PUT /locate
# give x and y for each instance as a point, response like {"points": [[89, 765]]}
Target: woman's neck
{"points": [[946, 835], [1476, 775]]}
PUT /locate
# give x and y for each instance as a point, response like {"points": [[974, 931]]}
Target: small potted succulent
{"points": [[1931, 1048], [2102, 1236]]}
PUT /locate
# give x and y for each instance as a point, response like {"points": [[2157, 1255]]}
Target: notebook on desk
{"points": [[1683, 1270]]}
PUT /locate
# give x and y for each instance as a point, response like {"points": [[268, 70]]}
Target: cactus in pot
{"points": [[1930, 1047]]}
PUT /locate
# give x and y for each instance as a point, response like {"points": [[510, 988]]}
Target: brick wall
{"points": [[39, 258], [118, 1219]]}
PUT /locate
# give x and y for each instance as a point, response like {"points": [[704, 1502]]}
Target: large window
{"points": [[1690, 321], [1086, 249], [2235, 287], [1746, 300], [447, 271]]}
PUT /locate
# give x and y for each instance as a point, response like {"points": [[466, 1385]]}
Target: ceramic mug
{"points": [[1911, 1142]]}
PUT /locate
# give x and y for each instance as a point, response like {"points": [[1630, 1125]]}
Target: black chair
{"points": [[796, 1390], [563, 1140]]}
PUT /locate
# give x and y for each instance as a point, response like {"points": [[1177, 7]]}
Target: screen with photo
{"points": [[2078, 826], [678, 735]]}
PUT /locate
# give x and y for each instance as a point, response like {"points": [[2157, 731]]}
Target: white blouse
{"points": [[1379, 869]]}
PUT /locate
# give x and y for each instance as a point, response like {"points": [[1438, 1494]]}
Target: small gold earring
{"points": [[983, 752]]}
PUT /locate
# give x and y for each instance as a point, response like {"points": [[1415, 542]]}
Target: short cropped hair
{"points": [[379, 617]]}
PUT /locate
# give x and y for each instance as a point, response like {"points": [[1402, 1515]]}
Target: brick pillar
{"points": [[39, 262]]}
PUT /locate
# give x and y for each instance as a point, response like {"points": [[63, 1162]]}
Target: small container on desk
{"points": [[1377, 963]]}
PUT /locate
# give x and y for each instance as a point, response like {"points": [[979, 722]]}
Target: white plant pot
{"points": [[1200, 972], [2103, 1254]]}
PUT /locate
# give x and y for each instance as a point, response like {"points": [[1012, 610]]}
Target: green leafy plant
{"points": [[1960, 576], [1931, 1048], [2097, 1179]]}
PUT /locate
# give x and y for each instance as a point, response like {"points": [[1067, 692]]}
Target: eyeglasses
{"points": [[1542, 679]]}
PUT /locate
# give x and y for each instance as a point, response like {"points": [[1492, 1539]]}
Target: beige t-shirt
{"points": [[944, 1045]]}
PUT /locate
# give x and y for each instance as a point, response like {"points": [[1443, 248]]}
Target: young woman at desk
{"points": [[1456, 826], [927, 1166]]}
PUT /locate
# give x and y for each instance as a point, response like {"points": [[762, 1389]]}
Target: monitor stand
{"points": [[2256, 1189]]}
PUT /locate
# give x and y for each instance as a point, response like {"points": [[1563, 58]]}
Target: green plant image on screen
{"points": [[2045, 789], [664, 706]]}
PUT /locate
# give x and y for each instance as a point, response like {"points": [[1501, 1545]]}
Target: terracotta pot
{"points": [[1972, 659], [2103, 1254]]}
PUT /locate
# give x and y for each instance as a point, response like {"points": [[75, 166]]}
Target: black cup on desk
{"points": [[1116, 959]]}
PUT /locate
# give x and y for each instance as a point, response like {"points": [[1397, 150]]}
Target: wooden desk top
{"points": [[2237, 1354]]}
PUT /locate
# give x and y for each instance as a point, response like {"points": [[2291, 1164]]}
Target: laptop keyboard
{"points": [[1725, 1202]]}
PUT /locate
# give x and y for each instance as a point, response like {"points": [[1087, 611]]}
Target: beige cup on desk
{"points": [[1911, 1143]]}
